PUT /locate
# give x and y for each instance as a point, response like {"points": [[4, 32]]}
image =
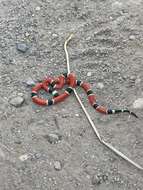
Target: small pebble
{"points": [[116, 179], [89, 74], [100, 85], [17, 101], [54, 35], [111, 18], [24, 157], [133, 77], [22, 47], [53, 138], [37, 8], [27, 34], [36, 156], [17, 142], [57, 165], [65, 116], [30, 82], [105, 177], [132, 37], [138, 104], [96, 180]]}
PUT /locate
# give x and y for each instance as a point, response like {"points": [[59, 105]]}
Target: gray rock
{"points": [[57, 165], [138, 104], [17, 101], [22, 47], [53, 138]]}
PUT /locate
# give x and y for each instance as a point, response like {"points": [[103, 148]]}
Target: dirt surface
{"points": [[107, 51]]}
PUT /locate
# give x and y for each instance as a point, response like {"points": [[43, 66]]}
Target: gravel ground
{"points": [[55, 148]]}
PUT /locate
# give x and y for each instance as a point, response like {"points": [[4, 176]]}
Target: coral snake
{"points": [[51, 85]]}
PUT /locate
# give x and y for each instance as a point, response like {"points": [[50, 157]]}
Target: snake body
{"points": [[51, 85]]}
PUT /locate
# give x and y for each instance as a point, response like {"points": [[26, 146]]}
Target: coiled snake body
{"points": [[51, 85]]}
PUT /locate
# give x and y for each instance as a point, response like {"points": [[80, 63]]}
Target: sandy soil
{"points": [[107, 51]]}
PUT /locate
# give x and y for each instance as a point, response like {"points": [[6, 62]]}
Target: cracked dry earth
{"points": [[54, 148]]}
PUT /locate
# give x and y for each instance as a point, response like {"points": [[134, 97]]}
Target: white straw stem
{"points": [[120, 154]]}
